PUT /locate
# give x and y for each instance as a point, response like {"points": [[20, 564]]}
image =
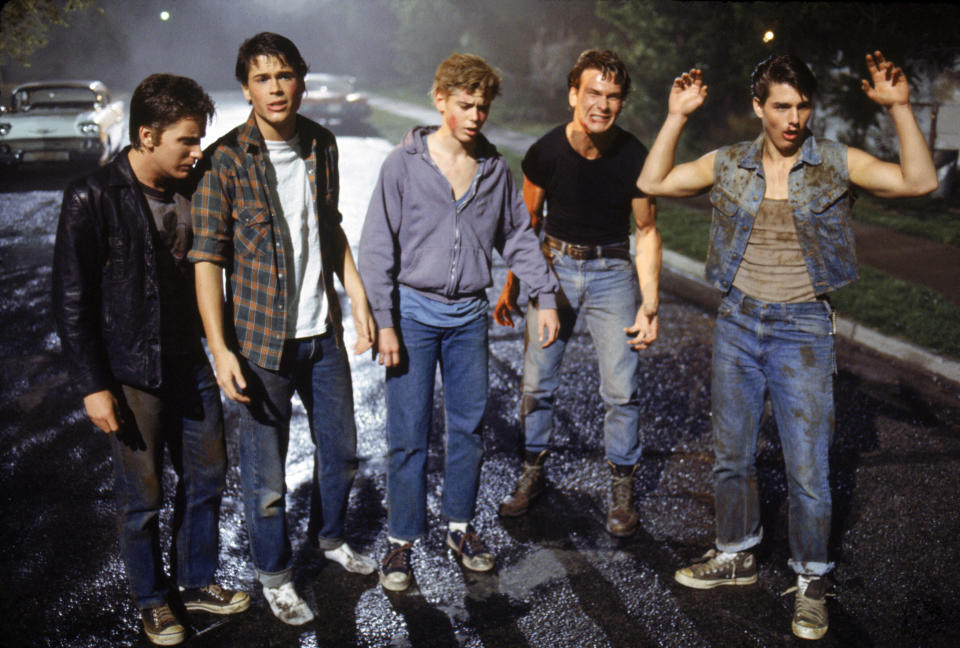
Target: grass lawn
{"points": [[933, 218], [882, 302]]}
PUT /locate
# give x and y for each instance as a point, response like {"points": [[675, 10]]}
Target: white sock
{"points": [[459, 526], [398, 541]]}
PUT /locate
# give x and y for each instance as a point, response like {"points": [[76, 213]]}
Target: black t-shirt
{"points": [[179, 330], [588, 201]]}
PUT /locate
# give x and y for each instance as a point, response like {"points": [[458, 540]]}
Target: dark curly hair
{"points": [[164, 99]]}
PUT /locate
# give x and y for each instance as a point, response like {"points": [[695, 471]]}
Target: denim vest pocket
{"points": [[829, 212], [253, 230], [727, 218]]}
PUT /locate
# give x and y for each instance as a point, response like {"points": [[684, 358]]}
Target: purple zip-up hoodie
{"points": [[416, 235]]}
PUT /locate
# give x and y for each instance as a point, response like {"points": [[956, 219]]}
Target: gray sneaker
{"points": [[214, 599], [716, 568], [810, 618]]}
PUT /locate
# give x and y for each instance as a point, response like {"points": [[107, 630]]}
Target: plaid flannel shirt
{"points": [[234, 227]]}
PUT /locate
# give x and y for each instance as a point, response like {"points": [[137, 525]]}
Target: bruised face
{"points": [[597, 102], [784, 115], [173, 151], [275, 91], [462, 113]]}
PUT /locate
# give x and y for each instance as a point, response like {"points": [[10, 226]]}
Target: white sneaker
{"points": [[287, 605], [351, 560]]}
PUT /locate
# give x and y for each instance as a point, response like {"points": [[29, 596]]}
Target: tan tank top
{"points": [[772, 268]]}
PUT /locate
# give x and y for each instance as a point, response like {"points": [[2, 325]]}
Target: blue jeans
{"points": [[462, 354], [604, 291], [318, 370], [786, 349], [185, 416]]}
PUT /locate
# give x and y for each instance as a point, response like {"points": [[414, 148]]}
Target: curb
{"points": [[685, 276]]}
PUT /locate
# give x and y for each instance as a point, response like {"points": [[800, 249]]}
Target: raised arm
{"points": [[533, 198], [659, 176], [916, 174]]}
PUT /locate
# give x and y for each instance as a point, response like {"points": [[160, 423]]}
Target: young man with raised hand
{"points": [[266, 211], [781, 241], [444, 200], [584, 173], [123, 297]]}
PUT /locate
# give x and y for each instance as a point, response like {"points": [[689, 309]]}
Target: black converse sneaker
{"points": [[716, 568]]}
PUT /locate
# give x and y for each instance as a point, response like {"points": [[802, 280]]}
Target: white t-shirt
{"points": [[297, 223]]}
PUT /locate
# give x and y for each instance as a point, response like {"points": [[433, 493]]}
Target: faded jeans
{"points": [[185, 416], [604, 292], [318, 370], [461, 352], [786, 349]]}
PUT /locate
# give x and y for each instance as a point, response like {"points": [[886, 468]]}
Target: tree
{"points": [[660, 39], [24, 25]]}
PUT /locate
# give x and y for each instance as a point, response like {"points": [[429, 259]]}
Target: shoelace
{"points": [[712, 561], [474, 545], [622, 491], [808, 607], [399, 553], [162, 616], [529, 476]]}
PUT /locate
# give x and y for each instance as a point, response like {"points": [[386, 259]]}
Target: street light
{"points": [[767, 36], [164, 16]]}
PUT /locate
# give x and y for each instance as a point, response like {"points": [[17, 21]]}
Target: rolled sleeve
{"points": [[211, 214]]}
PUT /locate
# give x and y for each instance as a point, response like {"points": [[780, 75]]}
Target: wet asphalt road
{"points": [[560, 579]]}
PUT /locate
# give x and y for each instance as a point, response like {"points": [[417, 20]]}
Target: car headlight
{"points": [[89, 128], [355, 96], [4, 129]]}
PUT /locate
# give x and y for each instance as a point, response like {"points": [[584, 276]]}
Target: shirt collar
{"points": [[249, 136], [809, 154]]}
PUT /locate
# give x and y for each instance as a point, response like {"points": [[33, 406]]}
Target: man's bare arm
{"points": [[533, 197], [649, 254], [659, 176], [209, 282], [916, 174], [353, 285]]}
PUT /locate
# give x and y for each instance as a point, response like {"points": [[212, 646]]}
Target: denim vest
{"points": [[819, 194]]}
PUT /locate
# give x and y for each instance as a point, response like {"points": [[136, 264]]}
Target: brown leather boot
{"points": [[622, 518], [529, 486]]}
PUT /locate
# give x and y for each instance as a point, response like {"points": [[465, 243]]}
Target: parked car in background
{"points": [[333, 97], [54, 121]]}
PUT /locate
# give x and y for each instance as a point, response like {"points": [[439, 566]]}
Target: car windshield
{"points": [[55, 97]]}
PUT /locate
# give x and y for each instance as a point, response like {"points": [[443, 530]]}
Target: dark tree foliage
{"points": [[660, 39]]}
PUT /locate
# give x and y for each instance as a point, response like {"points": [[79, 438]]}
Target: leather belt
{"points": [[587, 252]]}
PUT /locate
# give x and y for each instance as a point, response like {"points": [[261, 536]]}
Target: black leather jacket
{"points": [[106, 297]]}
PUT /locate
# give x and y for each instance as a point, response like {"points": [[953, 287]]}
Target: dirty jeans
{"points": [[786, 349], [318, 370], [462, 355], [185, 416], [604, 292]]}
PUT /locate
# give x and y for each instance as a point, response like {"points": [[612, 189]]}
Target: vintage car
{"points": [[331, 97], [61, 121]]}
